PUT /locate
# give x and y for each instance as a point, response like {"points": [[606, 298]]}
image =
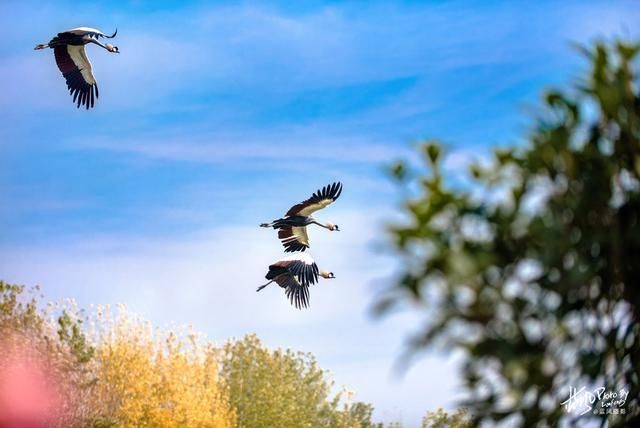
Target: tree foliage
{"points": [[37, 356], [112, 369], [441, 419], [362, 414], [533, 270], [284, 388], [156, 378]]}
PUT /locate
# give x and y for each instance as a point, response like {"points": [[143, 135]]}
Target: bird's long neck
{"points": [[96, 42], [314, 221]]}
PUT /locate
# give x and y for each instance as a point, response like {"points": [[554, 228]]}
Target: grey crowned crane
{"points": [[292, 228], [68, 49], [295, 273]]}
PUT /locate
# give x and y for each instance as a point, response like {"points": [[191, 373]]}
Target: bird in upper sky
{"points": [[295, 273], [292, 228], [68, 49]]}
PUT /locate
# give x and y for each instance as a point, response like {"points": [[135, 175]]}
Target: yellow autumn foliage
{"points": [[110, 369], [150, 378]]}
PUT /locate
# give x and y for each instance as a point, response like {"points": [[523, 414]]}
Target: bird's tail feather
{"points": [[262, 286], [41, 46], [276, 224]]}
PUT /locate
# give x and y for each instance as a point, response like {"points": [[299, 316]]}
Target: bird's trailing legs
{"points": [[262, 286], [41, 46]]}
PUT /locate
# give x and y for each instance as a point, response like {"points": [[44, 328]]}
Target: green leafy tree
{"points": [[362, 413], [70, 332], [276, 388], [279, 388], [17, 312], [540, 296], [442, 419], [349, 415]]}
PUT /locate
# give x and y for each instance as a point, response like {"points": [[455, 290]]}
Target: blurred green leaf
{"points": [[544, 295]]}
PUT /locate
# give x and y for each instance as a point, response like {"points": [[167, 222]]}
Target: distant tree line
{"points": [[109, 368]]}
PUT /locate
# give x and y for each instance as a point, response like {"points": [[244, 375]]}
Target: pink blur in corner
{"points": [[28, 393]]}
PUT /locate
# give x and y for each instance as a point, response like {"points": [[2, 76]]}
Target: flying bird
{"points": [[292, 228], [295, 273], [68, 49]]}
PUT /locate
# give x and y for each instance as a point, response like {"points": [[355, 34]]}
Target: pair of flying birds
{"points": [[296, 272]]}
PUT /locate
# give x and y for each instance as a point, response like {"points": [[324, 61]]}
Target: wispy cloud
{"points": [[285, 148], [271, 50]]}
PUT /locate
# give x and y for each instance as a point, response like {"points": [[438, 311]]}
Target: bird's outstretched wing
{"points": [[304, 268], [87, 31], [302, 272], [306, 274], [320, 199], [298, 294], [76, 69], [294, 238]]}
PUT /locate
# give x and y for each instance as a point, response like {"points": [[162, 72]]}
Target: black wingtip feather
{"points": [[330, 191]]}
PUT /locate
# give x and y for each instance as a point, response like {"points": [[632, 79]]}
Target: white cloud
{"points": [[209, 279], [223, 265]]}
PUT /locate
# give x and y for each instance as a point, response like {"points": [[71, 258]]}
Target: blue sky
{"points": [[217, 117]]}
